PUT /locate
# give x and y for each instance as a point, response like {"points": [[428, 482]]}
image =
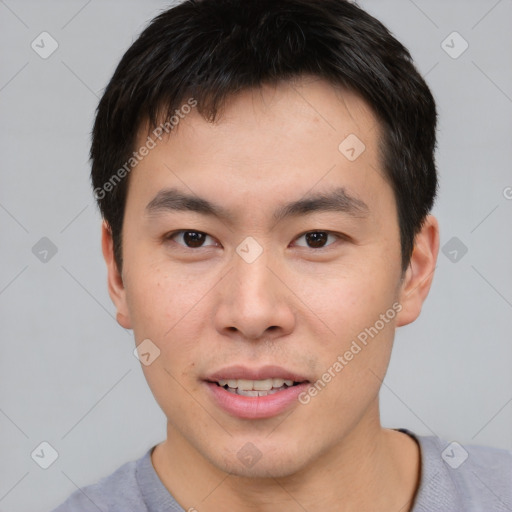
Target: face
{"points": [[265, 246]]}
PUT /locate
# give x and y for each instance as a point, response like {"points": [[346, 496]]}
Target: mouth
{"points": [[257, 393], [256, 388]]}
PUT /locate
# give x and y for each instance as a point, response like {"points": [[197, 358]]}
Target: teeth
{"points": [[245, 385], [263, 385], [256, 385], [254, 392], [248, 392]]}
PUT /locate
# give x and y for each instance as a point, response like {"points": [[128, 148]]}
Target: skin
{"points": [[296, 306]]}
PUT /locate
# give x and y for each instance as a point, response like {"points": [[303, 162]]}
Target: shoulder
{"points": [[486, 473], [118, 491], [458, 476]]}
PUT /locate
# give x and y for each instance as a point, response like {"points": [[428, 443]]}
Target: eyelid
{"points": [[339, 236], [172, 234]]}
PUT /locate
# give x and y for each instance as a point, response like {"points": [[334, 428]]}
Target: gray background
{"points": [[68, 374]]}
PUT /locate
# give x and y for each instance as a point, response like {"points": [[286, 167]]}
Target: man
{"points": [[265, 170]]}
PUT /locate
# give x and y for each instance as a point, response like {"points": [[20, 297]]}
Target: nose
{"points": [[255, 303]]}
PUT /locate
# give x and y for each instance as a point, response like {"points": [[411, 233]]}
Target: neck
{"points": [[371, 469]]}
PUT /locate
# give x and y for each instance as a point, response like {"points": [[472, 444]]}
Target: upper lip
{"points": [[261, 373]]}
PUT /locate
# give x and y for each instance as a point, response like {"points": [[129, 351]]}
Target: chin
{"points": [[265, 462]]}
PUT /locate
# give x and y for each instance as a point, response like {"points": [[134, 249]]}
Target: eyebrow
{"points": [[337, 200]]}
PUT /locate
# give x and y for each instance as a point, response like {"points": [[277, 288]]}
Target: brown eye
{"points": [[316, 239], [193, 238], [189, 239]]}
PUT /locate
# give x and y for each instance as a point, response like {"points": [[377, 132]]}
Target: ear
{"points": [[420, 272], [116, 288]]}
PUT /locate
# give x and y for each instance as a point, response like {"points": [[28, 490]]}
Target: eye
{"points": [[189, 238], [317, 239]]}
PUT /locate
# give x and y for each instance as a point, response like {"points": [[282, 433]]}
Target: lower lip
{"points": [[255, 407]]}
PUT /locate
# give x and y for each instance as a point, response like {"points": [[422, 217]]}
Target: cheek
{"points": [[356, 358], [350, 297], [172, 388], [358, 304], [164, 306], [166, 310]]}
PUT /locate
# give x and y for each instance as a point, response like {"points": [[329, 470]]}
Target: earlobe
{"points": [[420, 272], [116, 288]]}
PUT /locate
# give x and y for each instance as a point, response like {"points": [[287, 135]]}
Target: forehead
{"points": [[267, 143]]}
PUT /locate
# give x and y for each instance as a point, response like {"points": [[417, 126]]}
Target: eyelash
{"points": [[340, 236]]}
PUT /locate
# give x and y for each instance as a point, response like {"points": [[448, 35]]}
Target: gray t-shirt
{"points": [[454, 478]]}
